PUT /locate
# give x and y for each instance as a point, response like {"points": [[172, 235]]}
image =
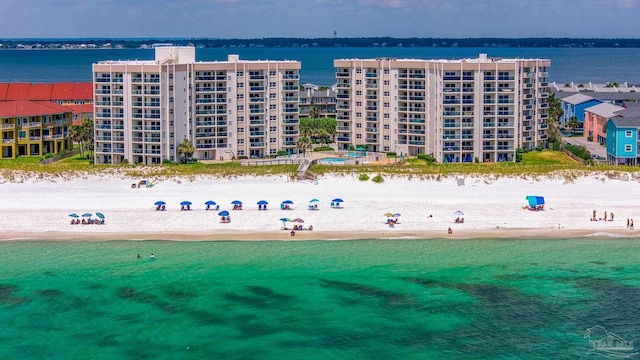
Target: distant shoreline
{"points": [[125, 43]]}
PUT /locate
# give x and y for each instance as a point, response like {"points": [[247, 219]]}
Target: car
{"points": [[597, 157]]}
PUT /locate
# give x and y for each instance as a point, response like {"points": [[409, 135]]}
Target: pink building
{"points": [[594, 119]]}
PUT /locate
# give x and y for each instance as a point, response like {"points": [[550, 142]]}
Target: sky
{"points": [[243, 19]]}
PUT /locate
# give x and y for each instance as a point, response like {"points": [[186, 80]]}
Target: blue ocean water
{"points": [[374, 299], [581, 65]]}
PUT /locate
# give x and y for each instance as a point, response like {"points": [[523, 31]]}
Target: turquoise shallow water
{"points": [[376, 299]]}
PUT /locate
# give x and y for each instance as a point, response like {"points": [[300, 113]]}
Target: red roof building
{"points": [[35, 118]]}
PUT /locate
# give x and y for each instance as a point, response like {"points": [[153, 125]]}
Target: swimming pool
{"points": [[333, 161]]}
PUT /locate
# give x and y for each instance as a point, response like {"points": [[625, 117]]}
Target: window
{"points": [[272, 85], [240, 141], [273, 118], [240, 107], [358, 92], [273, 128], [386, 104], [358, 103], [273, 140], [359, 71], [358, 125], [358, 82], [272, 106], [240, 96], [628, 148], [358, 136], [386, 82], [240, 118], [358, 114], [386, 93], [240, 85], [240, 152], [386, 137], [240, 130], [628, 133], [272, 73], [239, 73], [272, 96]]}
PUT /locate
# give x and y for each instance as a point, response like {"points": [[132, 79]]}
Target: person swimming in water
{"points": [[152, 256]]}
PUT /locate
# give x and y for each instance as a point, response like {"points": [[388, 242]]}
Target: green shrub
{"points": [[538, 148], [166, 161], [283, 153], [48, 156], [323, 148], [427, 158], [378, 179], [590, 138], [391, 153], [579, 151], [476, 160], [242, 157], [363, 177]]}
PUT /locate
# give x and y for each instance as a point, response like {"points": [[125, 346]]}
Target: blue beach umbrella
{"points": [[337, 200], [313, 200], [263, 202], [223, 213], [284, 221], [87, 215], [288, 202], [210, 202], [236, 202], [100, 215], [74, 215], [160, 203], [186, 203]]}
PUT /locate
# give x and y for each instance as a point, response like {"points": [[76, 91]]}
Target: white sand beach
{"points": [[38, 209]]}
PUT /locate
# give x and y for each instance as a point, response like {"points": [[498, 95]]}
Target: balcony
{"points": [[256, 144]]}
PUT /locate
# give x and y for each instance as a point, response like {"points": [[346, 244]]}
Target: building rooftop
{"points": [[46, 92], [16, 108], [626, 121], [576, 99], [606, 110]]}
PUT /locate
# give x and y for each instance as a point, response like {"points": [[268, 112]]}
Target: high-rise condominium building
{"points": [[228, 109], [455, 110]]}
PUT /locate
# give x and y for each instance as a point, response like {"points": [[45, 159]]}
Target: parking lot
{"points": [[598, 151]]}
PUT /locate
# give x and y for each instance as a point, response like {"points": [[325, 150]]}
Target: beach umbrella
{"points": [[298, 220], [186, 203], [160, 203], [337, 200], [74, 215], [223, 213], [87, 215], [388, 214], [262, 202], [458, 213], [210, 202], [288, 202], [361, 148], [100, 215], [313, 200], [236, 202], [284, 221], [396, 215]]}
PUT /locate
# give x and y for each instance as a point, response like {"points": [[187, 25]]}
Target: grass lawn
{"points": [[535, 162], [547, 158]]}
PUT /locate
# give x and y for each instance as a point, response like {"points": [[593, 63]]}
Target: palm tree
{"points": [[186, 150], [573, 123], [86, 130], [75, 134]]}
